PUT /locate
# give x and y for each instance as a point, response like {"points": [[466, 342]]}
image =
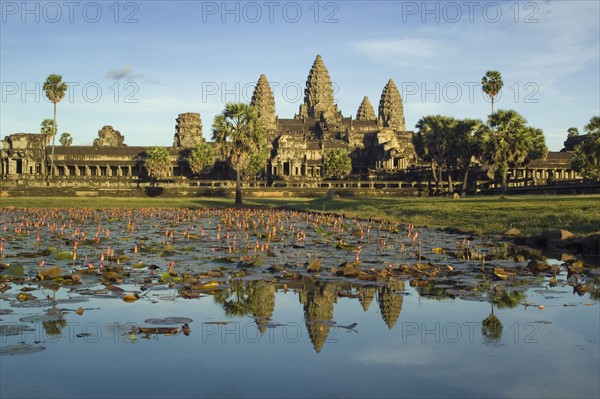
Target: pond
{"points": [[270, 303]]}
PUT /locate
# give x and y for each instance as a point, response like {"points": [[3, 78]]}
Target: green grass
{"points": [[530, 214]]}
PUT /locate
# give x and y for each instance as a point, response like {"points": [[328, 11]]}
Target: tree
{"points": [[256, 165], [504, 142], [466, 147], [429, 141], [201, 158], [338, 163], [537, 150], [446, 142], [593, 126], [55, 90], [491, 83], [47, 129], [65, 139], [158, 163], [586, 159], [572, 132], [238, 135]]}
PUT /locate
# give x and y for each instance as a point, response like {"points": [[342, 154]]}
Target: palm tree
{"points": [[504, 142], [201, 157], [538, 149], [55, 90], [65, 139], [465, 147], [158, 163], [593, 126], [238, 135], [47, 129], [491, 83], [438, 139]]}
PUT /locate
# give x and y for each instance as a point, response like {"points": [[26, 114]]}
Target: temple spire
{"points": [[365, 111], [318, 94], [391, 112], [264, 102]]}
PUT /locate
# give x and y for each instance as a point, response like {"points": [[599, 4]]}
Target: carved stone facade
{"points": [[264, 102], [188, 131], [365, 111], [379, 146], [109, 137], [391, 110]]}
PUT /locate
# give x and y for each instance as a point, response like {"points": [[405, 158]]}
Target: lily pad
{"points": [[20, 349], [38, 318], [169, 321], [14, 329]]}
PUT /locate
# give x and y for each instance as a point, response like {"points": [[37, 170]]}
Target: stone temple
{"points": [[379, 145]]}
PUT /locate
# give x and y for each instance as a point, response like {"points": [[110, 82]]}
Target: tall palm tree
{"points": [[238, 135], [491, 83], [504, 142], [158, 163], [55, 90]]}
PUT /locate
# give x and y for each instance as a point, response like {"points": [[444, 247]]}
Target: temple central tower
{"points": [[318, 94]]}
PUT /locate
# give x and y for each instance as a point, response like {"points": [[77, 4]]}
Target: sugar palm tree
{"points": [[65, 139], [238, 135], [158, 163], [491, 83], [55, 90], [504, 142]]}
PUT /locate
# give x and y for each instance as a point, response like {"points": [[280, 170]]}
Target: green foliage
{"points": [[586, 159], [47, 129], [538, 149], [238, 134], [446, 142], [65, 140], [201, 158], [572, 132], [491, 84], [158, 163], [491, 328], [256, 165], [507, 142], [338, 163], [239, 137], [509, 300], [593, 126], [55, 90]]}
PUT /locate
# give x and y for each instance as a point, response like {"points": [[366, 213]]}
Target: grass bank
{"points": [[530, 214]]}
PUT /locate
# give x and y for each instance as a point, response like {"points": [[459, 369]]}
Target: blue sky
{"points": [[135, 65]]}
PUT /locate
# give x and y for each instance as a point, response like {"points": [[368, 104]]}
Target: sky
{"points": [[136, 65]]}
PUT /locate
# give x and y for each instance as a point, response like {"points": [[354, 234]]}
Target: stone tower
{"points": [[391, 112], [390, 300], [188, 131], [365, 111], [264, 102], [109, 137], [318, 94]]}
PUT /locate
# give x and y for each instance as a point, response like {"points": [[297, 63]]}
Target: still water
{"points": [[214, 327]]}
